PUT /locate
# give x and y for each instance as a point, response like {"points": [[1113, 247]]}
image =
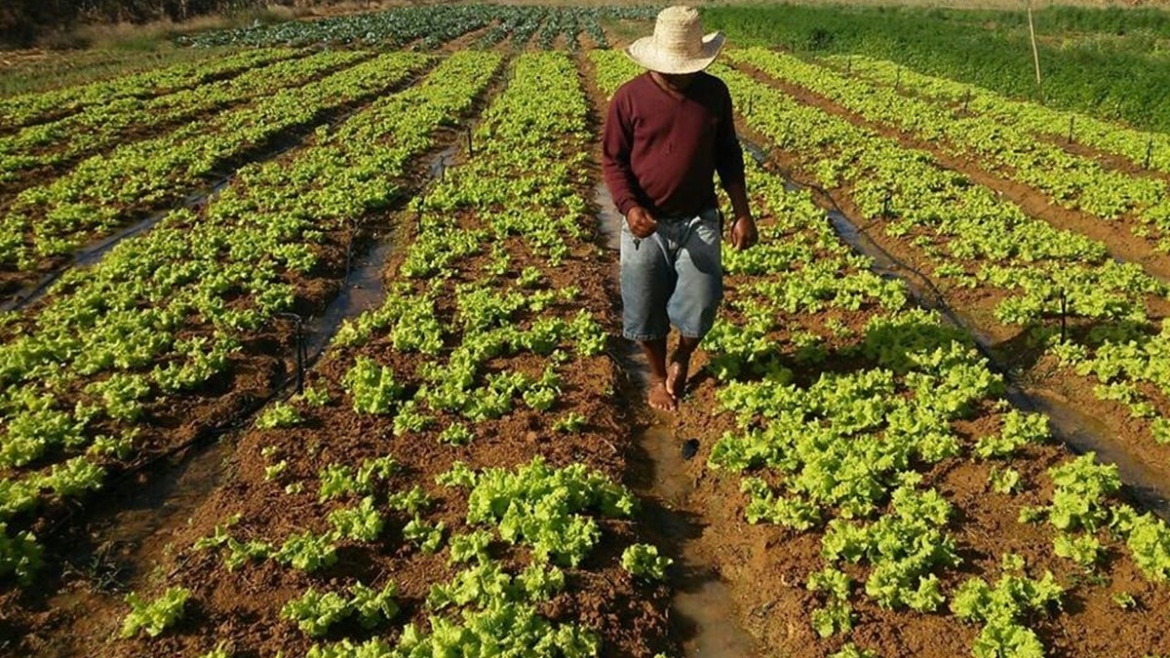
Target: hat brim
{"points": [[645, 53]]}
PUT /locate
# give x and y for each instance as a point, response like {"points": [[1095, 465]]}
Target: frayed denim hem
{"points": [[642, 338]]}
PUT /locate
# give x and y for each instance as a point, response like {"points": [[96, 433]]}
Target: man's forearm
{"points": [[621, 188], [739, 200]]}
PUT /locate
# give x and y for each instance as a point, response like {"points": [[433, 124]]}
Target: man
{"points": [[667, 132]]}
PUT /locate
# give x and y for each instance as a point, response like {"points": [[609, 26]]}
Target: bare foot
{"points": [[676, 376], [660, 399]]}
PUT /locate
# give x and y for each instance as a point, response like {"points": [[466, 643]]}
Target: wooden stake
{"points": [[1149, 151], [1071, 124], [1035, 53]]}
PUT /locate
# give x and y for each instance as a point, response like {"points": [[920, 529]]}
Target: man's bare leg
{"points": [[680, 363], [658, 398]]}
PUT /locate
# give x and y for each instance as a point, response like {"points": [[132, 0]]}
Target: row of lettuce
{"points": [[422, 469], [41, 107], [997, 143], [431, 26], [850, 454], [1032, 273], [110, 189], [87, 376], [51, 145], [1144, 149]]}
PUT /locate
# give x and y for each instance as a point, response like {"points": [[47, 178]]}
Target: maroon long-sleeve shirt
{"points": [[662, 153]]}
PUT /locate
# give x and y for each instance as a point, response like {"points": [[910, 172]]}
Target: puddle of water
{"points": [[702, 611], [363, 289], [166, 501], [126, 546], [443, 160], [754, 150], [702, 606]]}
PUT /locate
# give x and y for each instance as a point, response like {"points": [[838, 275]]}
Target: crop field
{"points": [[310, 347]]}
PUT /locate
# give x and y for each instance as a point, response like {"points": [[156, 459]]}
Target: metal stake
{"points": [[1149, 152]]}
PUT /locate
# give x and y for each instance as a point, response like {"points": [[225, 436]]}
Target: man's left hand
{"points": [[743, 232]]}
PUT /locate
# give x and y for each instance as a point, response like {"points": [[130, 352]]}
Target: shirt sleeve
{"points": [[728, 153], [617, 142]]}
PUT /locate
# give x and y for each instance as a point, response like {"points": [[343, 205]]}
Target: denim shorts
{"points": [[674, 277]]}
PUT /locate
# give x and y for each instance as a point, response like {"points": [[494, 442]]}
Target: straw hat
{"points": [[677, 45]]}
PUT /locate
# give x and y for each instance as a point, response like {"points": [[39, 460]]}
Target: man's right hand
{"points": [[642, 224]]}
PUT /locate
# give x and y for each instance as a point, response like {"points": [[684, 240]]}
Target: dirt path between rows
{"points": [[706, 617]]}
